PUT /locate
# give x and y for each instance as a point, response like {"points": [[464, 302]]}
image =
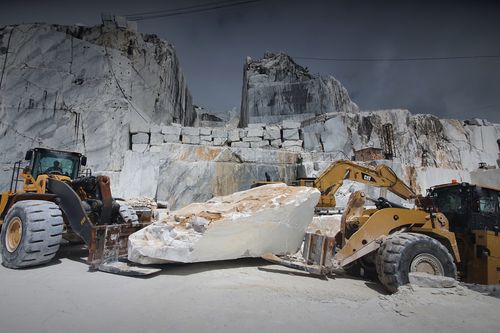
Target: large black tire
{"points": [[406, 252], [37, 241], [127, 213]]}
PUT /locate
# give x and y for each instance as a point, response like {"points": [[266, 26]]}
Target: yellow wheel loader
{"points": [[58, 202], [453, 231]]}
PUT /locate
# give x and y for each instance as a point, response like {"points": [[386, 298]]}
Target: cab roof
{"points": [[459, 184], [56, 151]]}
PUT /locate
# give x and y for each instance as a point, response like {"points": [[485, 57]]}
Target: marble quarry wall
{"points": [[286, 136], [120, 98], [276, 88], [427, 151], [416, 140], [80, 88]]}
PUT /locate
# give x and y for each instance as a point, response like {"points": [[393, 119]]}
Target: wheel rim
{"points": [[427, 263], [14, 234]]}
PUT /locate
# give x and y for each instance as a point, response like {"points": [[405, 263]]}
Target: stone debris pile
{"points": [[267, 219]]}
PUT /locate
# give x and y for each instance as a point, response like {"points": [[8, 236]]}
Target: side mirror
{"points": [[83, 160], [29, 155]]}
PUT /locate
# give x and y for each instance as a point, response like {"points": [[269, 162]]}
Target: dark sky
{"points": [[212, 46]]}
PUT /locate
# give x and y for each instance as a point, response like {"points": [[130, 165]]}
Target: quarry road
{"points": [[246, 295]]}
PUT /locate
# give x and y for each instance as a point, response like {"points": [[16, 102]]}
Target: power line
{"points": [[187, 10], [489, 56], [181, 8]]}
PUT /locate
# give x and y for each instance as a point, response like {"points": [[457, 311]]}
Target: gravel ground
{"points": [[247, 295]]}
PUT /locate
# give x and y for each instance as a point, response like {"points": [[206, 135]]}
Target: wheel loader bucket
{"points": [[108, 249], [318, 254]]}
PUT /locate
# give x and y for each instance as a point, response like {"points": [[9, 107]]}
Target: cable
{"points": [[185, 10], [180, 8], [490, 56]]}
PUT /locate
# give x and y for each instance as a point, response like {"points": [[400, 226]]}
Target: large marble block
{"points": [[251, 223]]}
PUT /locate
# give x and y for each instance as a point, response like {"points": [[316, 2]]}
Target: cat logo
{"points": [[366, 177]]}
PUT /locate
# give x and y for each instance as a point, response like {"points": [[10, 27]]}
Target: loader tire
{"points": [[127, 213], [406, 252], [31, 233]]}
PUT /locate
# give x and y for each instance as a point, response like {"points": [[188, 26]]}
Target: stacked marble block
{"points": [[287, 136]]}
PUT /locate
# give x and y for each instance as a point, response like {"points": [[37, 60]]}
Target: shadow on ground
{"points": [[74, 252], [79, 253], [195, 268], [487, 290]]}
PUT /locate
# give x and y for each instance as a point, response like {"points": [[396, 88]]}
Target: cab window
{"points": [[486, 202], [56, 165], [448, 199]]}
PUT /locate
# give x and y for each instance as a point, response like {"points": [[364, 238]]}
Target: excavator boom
{"points": [[381, 176]]}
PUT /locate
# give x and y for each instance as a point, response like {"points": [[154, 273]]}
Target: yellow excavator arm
{"points": [[381, 176]]}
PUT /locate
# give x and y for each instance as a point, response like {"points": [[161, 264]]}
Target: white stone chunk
{"points": [[140, 147], [292, 143], [266, 219], [155, 149], [171, 130], [191, 139], [172, 138], [240, 144], [219, 133], [140, 138], [257, 125], [252, 139], [272, 133], [234, 135], [255, 132], [276, 143], [219, 141], [259, 144], [206, 142], [190, 131], [290, 124], [291, 134], [425, 280], [325, 225], [205, 131], [156, 139]]}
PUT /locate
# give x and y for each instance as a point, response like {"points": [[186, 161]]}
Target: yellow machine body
{"points": [[81, 206], [463, 218]]}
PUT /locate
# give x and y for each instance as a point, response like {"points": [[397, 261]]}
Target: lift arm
{"points": [[381, 176]]}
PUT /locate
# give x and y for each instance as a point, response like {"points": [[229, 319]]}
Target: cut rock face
{"points": [[266, 219]]}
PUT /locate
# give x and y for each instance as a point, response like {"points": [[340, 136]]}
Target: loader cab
{"points": [[485, 209], [48, 161], [467, 207]]}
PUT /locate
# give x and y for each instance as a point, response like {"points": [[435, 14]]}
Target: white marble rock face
{"points": [[88, 89], [275, 88], [85, 89], [251, 223]]}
